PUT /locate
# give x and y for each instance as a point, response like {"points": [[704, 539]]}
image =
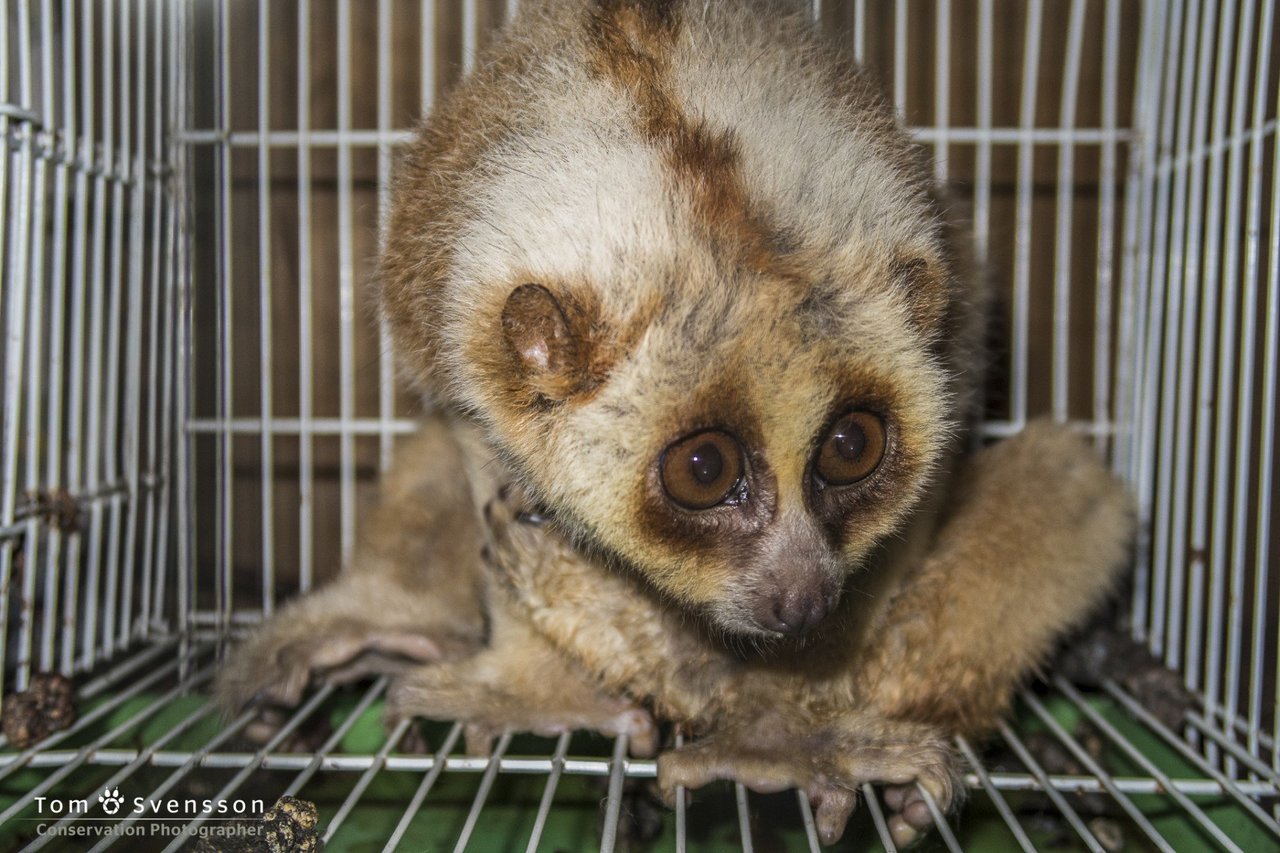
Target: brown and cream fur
{"points": [[637, 220]]}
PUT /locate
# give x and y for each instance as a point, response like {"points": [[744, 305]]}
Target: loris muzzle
{"points": [[700, 316]]}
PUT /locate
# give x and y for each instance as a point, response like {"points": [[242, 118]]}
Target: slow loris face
{"points": [[696, 309]]}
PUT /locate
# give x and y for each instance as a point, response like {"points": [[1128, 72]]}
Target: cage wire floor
{"points": [[146, 729]]}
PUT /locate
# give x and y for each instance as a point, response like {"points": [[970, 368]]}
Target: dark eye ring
{"points": [[702, 470], [852, 448]]}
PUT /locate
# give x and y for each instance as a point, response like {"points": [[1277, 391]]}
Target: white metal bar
{"points": [[224, 349], [302, 426], [427, 55], [397, 137], [482, 793], [997, 800], [79, 300], [366, 779], [744, 817], [1146, 764], [806, 820], [346, 294], [682, 808], [1263, 497], [190, 760], [940, 824], [549, 791], [23, 330], [223, 793], [1102, 776], [900, 58], [266, 384], [306, 320], [1066, 193], [386, 357], [982, 153], [877, 818], [941, 87], [319, 756], [59, 287], [613, 804], [1266, 450], [470, 33], [137, 285], [1019, 376], [1102, 356], [116, 56], [1186, 591], [437, 766], [1136, 709], [1224, 387], [1133, 458], [859, 31], [1045, 784], [1151, 506], [125, 772]]}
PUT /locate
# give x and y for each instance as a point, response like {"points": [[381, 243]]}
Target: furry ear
{"points": [[551, 351], [924, 286]]}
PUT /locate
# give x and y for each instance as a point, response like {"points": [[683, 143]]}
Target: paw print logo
{"points": [[111, 800]]}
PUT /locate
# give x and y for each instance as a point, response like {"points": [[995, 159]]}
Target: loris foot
{"points": [[358, 626], [828, 761], [468, 691], [520, 683]]}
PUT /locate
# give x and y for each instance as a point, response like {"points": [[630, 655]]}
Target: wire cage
{"points": [[197, 403]]}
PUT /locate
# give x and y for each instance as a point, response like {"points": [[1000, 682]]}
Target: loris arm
{"points": [[411, 593], [1036, 537]]}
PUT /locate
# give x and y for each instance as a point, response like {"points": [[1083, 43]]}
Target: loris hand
{"points": [[828, 759]]}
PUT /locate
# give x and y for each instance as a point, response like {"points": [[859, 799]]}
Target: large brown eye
{"points": [[702, 470], [852, 449]]}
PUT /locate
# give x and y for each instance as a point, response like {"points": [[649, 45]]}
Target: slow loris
{"points": [[704, 352]]}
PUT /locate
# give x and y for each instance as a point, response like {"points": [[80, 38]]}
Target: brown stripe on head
{"points": [[631, 44]]}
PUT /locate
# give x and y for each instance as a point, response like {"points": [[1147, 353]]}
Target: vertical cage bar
{"points": [[79, 299], [61, 150], [859, 31], [386, 358], [1202, 649], [346, 291], [1187, 582], [1151, 367], [1066, 192], [1266, 453], [1135, 460], [104, 158], [306, 328], [36, 358], [982, 153], [136, 62], [1022, 248], [942, 88], [1254, 276], [265, 319], [15, 206], [1103, 417], [179, 227], [900, 58], [115, 41], [225, 355]]}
